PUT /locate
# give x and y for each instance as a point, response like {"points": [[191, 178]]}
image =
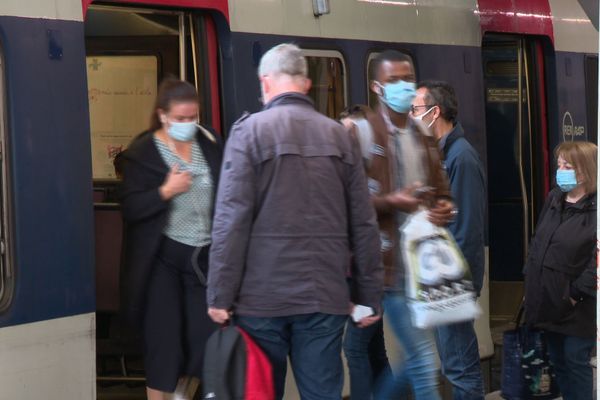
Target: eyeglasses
{"points": [[413, 109]]}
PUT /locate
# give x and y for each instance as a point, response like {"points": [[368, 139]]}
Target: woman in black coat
{"points": [[560, 273], [169, 183]]}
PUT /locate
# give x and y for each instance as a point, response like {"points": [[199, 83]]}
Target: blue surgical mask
{"points": [[182, 131], [398, 95], [566, 179]]}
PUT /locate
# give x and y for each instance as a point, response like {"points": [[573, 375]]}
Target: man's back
{"points": [[303, 162], [300, 176]]}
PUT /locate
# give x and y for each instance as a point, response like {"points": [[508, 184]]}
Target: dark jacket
{"points": [[561, 264], [145, 212], [467, 184], [382, 181], [292, 204]]}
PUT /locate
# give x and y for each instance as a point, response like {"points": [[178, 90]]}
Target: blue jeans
{"points": [[364, 349], [570, 356], [419, 366], [314, 344], [459, 354]]}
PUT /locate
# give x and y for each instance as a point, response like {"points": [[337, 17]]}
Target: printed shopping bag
{"points": [[438, 280]]}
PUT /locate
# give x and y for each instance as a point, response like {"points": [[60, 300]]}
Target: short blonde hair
{"points": [[583, 156]]}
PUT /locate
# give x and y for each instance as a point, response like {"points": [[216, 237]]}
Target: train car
{"points": [[77, 81]]}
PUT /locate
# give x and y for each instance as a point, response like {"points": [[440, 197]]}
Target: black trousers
{"points": [[176, 324]]}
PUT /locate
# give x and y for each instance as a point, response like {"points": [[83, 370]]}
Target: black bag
{"points": [[526, 369]]}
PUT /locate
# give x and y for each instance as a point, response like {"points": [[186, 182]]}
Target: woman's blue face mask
{"points": [[566, 179], [398, 95]]}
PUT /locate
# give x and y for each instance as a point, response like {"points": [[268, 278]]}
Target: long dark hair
{"points": [[171, 91]]}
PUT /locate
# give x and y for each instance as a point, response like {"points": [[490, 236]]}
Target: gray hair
{"points": [[286, 59]]}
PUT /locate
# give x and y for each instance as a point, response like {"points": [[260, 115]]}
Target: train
{"points": [[77, 83]]}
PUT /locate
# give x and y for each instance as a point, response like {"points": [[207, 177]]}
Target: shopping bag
{"points": [[526, 369], [439, 286]]}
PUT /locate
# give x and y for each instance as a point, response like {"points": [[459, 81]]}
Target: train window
{"points": [[6, 265], [591, 97], [129, 51], [326, 69], [372, 98]]}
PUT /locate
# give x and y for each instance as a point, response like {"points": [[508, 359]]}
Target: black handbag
{"points": [[527, 372]]}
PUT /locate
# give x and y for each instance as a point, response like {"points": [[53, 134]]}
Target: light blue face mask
{"points": [[398, 95], [566, 179], [182, 131]]}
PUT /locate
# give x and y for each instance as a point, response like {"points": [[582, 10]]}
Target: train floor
{"points": [[134, 388]]}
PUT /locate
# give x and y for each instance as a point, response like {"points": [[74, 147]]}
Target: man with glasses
{"points": [[404, 169], [437, 107]]}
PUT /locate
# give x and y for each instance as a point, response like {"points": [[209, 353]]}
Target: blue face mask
{"points": [[182, 131], [398, 95], [566, 179]]}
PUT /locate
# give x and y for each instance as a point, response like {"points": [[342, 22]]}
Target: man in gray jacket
{"points": [[292, 206]]}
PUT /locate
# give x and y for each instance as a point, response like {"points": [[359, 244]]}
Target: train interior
{"points": [[517, 159], [129, 50]]}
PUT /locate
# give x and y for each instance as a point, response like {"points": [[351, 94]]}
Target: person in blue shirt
{"points": [[436, 106]]}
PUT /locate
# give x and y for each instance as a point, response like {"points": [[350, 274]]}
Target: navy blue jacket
{"points": [[467, 183]]}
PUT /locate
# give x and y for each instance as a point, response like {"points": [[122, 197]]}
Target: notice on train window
{"points": [[121, 93], [498, 95]]}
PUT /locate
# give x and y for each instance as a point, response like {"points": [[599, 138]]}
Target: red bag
{"points": [[235, 368]]}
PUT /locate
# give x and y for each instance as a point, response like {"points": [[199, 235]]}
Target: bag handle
{"points": [[519, 318]]}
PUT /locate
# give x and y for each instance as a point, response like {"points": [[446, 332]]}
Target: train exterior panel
{"points": [[521, 69], [47, 347]]}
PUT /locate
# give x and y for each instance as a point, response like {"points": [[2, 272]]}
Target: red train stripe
{"points": [[541, 76], [213, 71], [532, 17]]}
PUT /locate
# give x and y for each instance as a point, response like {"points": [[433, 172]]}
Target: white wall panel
{"points": [[68, 10], [415, 21], [50, 360], [572, 29]]}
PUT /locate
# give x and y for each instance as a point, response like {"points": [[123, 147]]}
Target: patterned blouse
{"points": [[189, 215]]}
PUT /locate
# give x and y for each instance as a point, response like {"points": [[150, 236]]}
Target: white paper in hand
{"points": [[361, 312]]}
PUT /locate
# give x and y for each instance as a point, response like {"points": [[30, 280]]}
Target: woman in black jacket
{"points": [[560, 273], [170, 178]]}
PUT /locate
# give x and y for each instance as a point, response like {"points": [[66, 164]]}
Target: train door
{"points": [[128, 52], [517, 156]]}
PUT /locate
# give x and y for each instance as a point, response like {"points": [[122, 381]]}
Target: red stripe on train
{"points": [[213, 71], [532, 17]]}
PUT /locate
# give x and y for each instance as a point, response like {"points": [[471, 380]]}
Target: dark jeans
{"points": [[314, 344], [570, 356], [459, 353], [364, 349]]}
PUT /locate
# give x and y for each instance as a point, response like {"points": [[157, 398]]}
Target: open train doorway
{"points": [[518, 158], [128, 52]]}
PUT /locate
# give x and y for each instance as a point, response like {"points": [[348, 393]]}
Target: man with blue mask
{"points": [[436, 106], [405, 173]]}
